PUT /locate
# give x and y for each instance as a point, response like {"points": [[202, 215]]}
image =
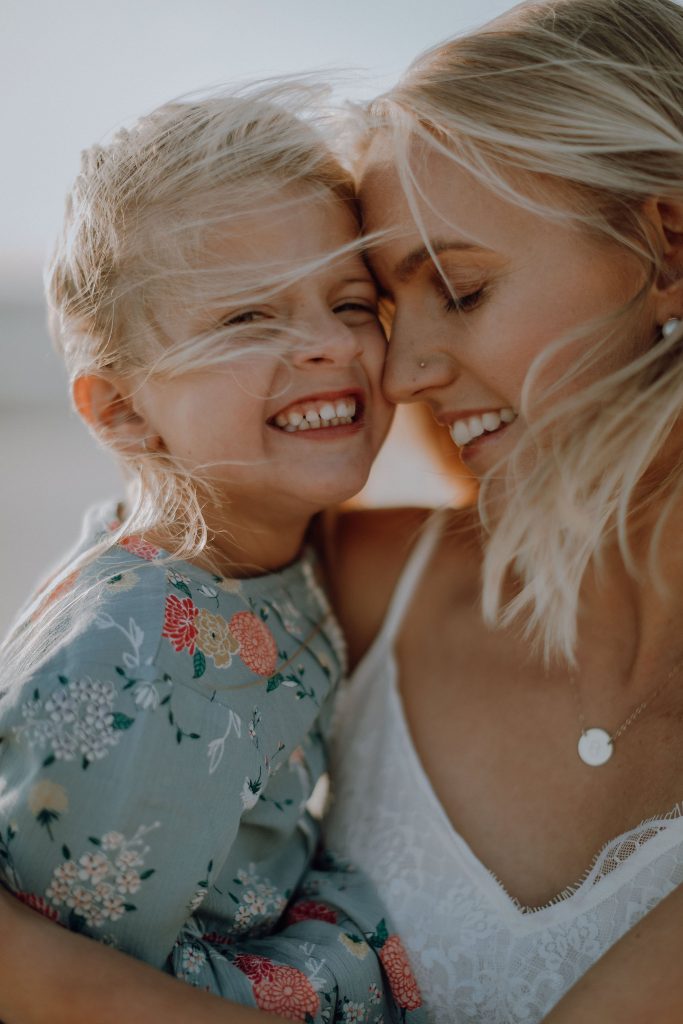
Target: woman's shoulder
{"points": [[366, 552]]}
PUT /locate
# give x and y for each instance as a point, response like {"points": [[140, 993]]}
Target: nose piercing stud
{"points": [[422, 364]]}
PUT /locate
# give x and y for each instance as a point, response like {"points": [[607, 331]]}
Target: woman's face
{"points": [[520, 281]]}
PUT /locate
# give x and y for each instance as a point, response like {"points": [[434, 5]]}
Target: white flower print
{"points": [[260, 903], [94, 886], [192, 959], [353, 1013], [123, 581], [93, 867], [112, 840], [196, 900], [375, 996], [77, 719], [251, 789], [146, 695]]}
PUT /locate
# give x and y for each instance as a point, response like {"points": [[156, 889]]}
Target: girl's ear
{"points": [[666, 218], [108, 410]]}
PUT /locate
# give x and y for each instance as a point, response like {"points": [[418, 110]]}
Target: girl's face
{"points": [[282, 437], [520, 282]]}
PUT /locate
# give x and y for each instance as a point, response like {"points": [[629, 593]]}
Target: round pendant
{"points": [[595, 747]]}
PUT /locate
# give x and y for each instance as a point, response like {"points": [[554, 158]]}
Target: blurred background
{"points": [[70, 73]]}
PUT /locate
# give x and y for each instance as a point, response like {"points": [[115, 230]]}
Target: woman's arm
{"points": [[639, 980], [50, 974]]}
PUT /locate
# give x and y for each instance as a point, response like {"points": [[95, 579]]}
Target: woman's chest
{"points": [[498, 743]]}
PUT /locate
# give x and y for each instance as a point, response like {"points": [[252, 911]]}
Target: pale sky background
{"points": [[71, 71]]}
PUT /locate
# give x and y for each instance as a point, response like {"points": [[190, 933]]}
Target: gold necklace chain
{"points": [[596, 745]]}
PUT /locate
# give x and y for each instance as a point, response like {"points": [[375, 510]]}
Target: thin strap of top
{"points": [[410, 577]]}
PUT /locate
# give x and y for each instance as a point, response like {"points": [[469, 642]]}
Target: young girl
{"points": [[168, 695]]}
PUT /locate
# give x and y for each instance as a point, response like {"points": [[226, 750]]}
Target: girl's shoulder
{"points": [[365, 552]]}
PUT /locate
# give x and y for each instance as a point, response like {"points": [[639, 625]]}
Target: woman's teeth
{"points": [[315, 415], [465, 430]]}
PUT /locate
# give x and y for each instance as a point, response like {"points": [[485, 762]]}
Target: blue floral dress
{"points": [[159, 776]]}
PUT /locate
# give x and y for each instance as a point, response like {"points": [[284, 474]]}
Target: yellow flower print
{"points": [[47, 800], [47, 795], [214, 638], [356, 946]]}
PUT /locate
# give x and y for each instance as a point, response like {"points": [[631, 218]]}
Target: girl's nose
{"points": [[329, 341]]}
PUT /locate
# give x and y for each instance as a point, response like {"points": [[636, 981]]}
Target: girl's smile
{"points": [[283, 430]]}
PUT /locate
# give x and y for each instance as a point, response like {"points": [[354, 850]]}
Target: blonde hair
{"points": [[137, 238], [572, 109]]}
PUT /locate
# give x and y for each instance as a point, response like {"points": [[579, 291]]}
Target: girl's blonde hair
{"points": [[572, 109], [143, 218]]}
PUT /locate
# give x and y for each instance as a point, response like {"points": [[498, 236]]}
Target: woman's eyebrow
{"points": [[412, 262]]}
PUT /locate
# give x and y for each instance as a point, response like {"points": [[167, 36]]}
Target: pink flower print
{"points": [[38, 904], [401, 978], [179, 623], [140, 547], [258, 649], [310, 910], [287, 991]]}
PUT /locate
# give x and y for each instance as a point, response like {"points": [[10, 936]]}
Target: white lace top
{"points": [[478, 955]]}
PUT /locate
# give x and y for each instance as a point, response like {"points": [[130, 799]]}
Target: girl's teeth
{"points": [[465, 430], [325, 414]]}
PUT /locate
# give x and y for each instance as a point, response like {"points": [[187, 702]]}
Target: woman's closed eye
{"points": [[355, 312], [453, 302]]}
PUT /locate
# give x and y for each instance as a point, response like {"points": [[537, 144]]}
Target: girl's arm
{"points": [[50, 974], [639, 980]]}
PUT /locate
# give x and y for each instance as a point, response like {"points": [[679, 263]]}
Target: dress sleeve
{"points": [[108, 814]]}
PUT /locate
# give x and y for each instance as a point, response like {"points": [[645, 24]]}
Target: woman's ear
{"points": [[666, 218], [107, 408]]}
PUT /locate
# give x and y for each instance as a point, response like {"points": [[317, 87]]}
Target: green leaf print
{"points": [[148, 873], [181, 585], [50, 759], [274, 682], [380, 936], [199, 662], [66, 852], [121, 721]]}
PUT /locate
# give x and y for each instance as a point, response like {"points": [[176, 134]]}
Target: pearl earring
{"points": [[671, 326]]}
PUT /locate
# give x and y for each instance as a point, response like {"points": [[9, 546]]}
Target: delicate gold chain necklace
{"points": [[596, 745]]}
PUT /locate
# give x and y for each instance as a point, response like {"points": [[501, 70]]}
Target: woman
{"points": [[517, 716], [526, 184]]}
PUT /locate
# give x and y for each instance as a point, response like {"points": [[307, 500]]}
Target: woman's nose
{"points": [[414, 366]]}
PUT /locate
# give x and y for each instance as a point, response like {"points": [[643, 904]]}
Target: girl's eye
{"points": [[250, 316], [461, 303]]}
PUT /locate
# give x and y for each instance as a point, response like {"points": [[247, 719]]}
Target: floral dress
{"points": [[160, 783]]}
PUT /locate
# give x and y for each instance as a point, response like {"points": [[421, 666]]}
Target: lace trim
{"points": [[613, 854]]}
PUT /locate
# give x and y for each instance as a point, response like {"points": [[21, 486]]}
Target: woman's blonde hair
{"points": [[143, 233], [572, 109]]}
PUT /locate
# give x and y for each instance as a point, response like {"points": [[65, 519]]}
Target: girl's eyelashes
{"points": [[249, 316]]}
